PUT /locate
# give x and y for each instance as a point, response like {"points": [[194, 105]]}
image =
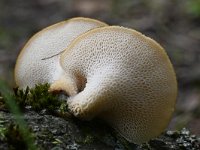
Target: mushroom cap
{"points": [[38, 61], [140, 83]]}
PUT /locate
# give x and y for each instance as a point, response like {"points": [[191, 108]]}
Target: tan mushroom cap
{"points": [[131, 83], [38, 61]]}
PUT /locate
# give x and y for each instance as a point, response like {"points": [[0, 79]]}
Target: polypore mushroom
{"points": [[124, 77], [38, 62]]}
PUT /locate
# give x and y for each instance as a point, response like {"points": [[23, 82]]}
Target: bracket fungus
{"points": [[110, 72], [129, 81], [38, 61]]}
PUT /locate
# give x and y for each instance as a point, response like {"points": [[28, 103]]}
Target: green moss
{"points": [[10, 102], [38, 98], [14, 137], [21, 96]]}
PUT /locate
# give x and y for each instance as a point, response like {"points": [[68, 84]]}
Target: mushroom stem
{"points": [[91, 102], [64, 84]]}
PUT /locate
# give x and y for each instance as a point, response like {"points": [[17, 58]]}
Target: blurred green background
{"points": [[175, 24]]}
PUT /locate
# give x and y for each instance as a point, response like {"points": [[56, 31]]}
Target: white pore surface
{"points": [[130, 81], [31, 69]]}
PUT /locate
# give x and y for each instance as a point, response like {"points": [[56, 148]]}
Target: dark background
{"points": [[175, 24]]}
